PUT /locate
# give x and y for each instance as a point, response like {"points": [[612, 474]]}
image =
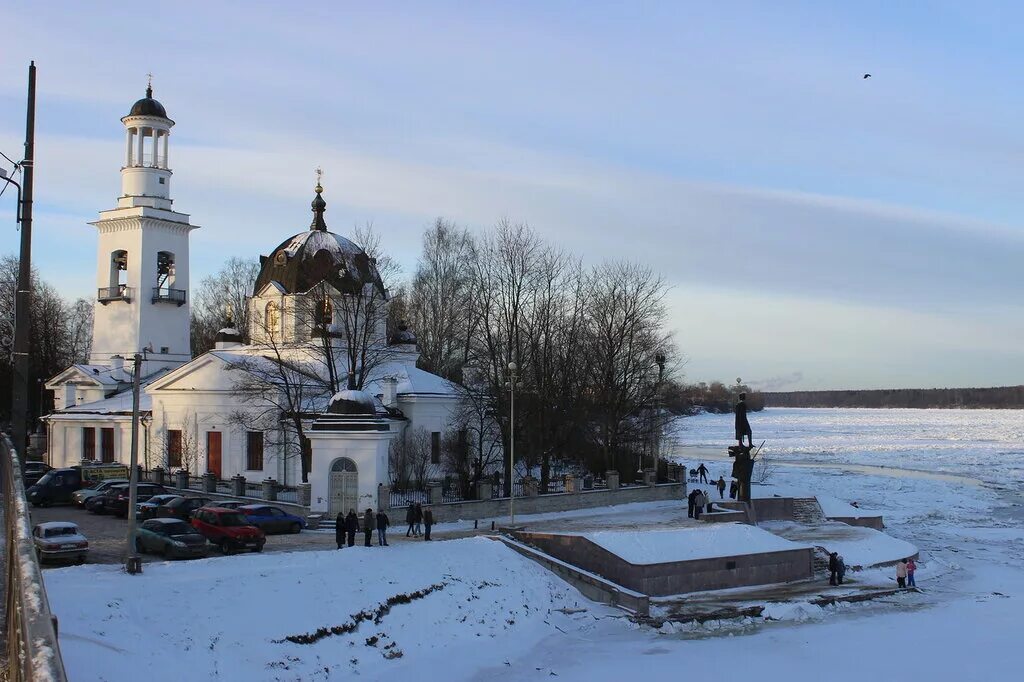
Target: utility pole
{"points": [[512, 376], [23, 297], [133, 564]]}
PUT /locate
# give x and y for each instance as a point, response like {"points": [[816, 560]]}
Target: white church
{"points": [[239, 409]]}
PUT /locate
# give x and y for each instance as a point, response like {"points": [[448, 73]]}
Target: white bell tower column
{"points": [[142, 258]]}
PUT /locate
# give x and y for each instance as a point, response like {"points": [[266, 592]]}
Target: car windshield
{"points": [[233, 520], [57, 532], [45, 480], [181, 528]]}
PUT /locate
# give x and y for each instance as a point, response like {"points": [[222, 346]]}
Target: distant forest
{"points": [[1004, 397]]}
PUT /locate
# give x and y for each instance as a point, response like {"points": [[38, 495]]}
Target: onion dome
{"points": [[404, 336], [304, 260], [352, 402], [147, 106]]}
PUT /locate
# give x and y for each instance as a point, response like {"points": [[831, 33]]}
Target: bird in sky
{"points": [[867, 75]]}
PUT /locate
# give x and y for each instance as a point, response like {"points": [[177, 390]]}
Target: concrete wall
{"points": [[773, 508], [484, 509], [677, 577], [863, 521]]}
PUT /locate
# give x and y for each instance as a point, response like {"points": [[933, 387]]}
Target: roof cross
{"points": [[319, 175]]}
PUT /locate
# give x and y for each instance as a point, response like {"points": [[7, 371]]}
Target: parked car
{"points": [[173, 538], [95, 488], [33, 471], [228, 504], [228, 529], [147, 510], [181, 508], [58, 485], [115, 500], [56, 540], [272, 519]]}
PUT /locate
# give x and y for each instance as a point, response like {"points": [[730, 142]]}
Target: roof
{"points": [[308, 258], [147, 106], [51, 525], [104, 375], [165, 521], [118, 403]]}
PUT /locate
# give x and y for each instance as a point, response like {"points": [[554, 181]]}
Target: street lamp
{"points": [[659, 359], [512, 377]]}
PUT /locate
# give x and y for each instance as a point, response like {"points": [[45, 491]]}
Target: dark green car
{"points": [[172, 538]]}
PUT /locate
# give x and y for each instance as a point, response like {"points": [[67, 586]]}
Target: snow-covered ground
{"points": [[687, 544], [497, 616]]}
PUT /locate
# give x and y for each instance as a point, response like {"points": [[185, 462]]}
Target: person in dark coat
{"points": [[428, 521], [721, 487], [732, 490], [368, 524], [382, 528], [410, 518], [742, 425], [689, 503], [418, 519], [703, 471], [833, 568], [351, 526], [339, 530]]}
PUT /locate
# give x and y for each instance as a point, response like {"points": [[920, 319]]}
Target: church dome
{"points": [[304, 260], [147, 106], [403, 336], [352, 402]]}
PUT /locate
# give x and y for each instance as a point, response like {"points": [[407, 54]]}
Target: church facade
{"points": [[318, 393]]}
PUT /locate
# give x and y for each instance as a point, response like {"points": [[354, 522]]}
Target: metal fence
{"points": [[30, 630]]}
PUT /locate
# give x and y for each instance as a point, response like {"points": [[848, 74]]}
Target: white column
{"points": [[167, 134], [128, 150], [142, 136], [156, 147]]}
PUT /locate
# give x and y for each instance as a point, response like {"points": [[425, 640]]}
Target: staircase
{"points": [[820, 560], [807, 510]]}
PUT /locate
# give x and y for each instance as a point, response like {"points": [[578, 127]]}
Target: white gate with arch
{"points": [[344, 486]]}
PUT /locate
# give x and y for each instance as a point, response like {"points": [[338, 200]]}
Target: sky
{"points": [[819, 230]]}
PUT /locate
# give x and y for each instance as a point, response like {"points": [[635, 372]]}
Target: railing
{"points": [[403, 498], [30, 629], [163, 294], [121, 292], [288, 494]]}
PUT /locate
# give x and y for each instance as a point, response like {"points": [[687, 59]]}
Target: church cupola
{"points": [[146, 175]]}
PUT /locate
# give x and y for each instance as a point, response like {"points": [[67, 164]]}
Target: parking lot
{"points": [[107, 535]]}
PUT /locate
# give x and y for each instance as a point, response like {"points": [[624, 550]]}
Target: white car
{"points": [[79, 497], [60, 540]]}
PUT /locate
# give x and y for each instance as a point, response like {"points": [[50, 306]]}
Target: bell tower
{"points": [[142, 257]]}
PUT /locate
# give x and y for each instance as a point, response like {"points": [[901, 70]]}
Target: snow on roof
{"points": [[687, 544], [412, 380], [105, 375], [52, 525], [118, 403]]}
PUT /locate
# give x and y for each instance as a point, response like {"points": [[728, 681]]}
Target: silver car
{"points": [[57, 540], [79, 497]]}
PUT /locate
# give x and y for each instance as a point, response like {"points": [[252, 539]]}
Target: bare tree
{"points": [[220, 296]]}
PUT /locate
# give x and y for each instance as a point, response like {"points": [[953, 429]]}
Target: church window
{"points": [[435, 447], [254, 451], [163, 181], [325, 312], [107, 445], [273, 317], [118, 271], [88, 442], [164, 270], [174, 449]]}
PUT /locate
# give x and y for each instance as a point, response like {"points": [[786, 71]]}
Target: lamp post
{"points": [[512, 377], [133, 564], [659, 359]]}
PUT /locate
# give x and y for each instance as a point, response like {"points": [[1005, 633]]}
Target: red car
{"points": [[228, 529]]}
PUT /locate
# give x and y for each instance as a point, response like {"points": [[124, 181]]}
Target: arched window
{"points": [[326, 312], [119, 270], [272, 317], [343, 464], [164, 270]]}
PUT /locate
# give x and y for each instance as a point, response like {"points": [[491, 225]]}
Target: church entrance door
{"points": [[213, 452], [344, 486]]}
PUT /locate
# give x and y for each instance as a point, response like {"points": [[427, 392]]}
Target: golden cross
{"points": [[149, 80], [319, 175]]}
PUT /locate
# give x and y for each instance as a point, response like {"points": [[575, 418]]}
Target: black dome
{"points": [[403, 336], [304, 260], [352, 402], [147, 106]]}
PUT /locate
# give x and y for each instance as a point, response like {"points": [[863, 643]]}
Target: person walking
{"points": [[911, 568], [418, 519], [703, 471], [368, 524], [428, 521], [382, 528], [410, 518], [742, 423], [840, 568], [339, 530], [901, 573], [833, 568], [351, 526], [732, 490], [721, 487], [698, 504]]}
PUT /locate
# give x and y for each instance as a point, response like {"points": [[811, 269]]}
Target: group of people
{"points": [[347, 525], [416, 515], [905, 573], [836, 569], [696, 502]]}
